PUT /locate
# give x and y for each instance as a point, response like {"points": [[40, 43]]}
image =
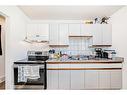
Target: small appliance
{"points": [[101, 53], [98, 53]]}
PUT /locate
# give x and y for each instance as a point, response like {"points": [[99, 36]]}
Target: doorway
{"points": [[2, 52]]}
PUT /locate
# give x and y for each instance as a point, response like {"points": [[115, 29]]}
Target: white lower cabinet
{"points": [[116, 79], [104, 79], [64, 79], [84, 79], [91, 79], [77, 79], [52, 79]]}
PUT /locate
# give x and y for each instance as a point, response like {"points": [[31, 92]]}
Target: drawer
{"points": [[102, 65], [52, 65]]}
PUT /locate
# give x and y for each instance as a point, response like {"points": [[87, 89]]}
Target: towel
{"points": [[21, 75], [34, 74], [28, 72]]}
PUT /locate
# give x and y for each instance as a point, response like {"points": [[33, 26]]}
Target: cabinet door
{"points": [[32, 31], [64, 79], [77, 79], [91, 79], [74, 29], [104, 79], [97, 34], [54, 34], [43, 29], [116, 79], [107, 34], [38, 31], [52, 79], [86, 29], [63, 34]]}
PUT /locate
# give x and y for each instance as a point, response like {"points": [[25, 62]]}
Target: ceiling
{"points": [[68, 12]]}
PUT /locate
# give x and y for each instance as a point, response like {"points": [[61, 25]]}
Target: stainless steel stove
{"points": [[34, 58]]}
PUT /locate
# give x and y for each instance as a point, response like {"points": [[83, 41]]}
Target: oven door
{"points": [[39, 81]]}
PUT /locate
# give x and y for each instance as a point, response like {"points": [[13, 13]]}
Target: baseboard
{"points": [[2, 79]]}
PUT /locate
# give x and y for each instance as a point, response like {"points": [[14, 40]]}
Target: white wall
{"points": [[2, 57], [119, 38], [15, 33]]}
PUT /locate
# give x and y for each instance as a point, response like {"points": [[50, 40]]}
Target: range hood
{"points": [[37, 39]]}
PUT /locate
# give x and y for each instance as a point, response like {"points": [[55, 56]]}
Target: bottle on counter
{"points": [[113, 54], [109, 55]]}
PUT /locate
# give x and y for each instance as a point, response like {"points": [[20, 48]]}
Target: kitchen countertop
{"points": [[114, 60], [57, 61]]}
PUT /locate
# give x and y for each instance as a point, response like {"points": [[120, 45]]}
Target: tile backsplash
{"points": [[77, 45]]}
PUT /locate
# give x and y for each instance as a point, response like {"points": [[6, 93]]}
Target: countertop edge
{"points": [[117, 60]]}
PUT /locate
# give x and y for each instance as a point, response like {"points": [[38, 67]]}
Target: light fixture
{"points": [[35, 41]]}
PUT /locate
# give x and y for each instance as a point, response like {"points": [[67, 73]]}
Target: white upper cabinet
{"points": [[38, 31], [107, 34], [43, 29], [97, 34], [102, 34], [63, 34], [32, 31], [86, 30], [74, 29], [54, 34], [58, 34]]}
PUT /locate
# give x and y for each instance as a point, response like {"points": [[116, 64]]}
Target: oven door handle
{"points": [[40, 66]]}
